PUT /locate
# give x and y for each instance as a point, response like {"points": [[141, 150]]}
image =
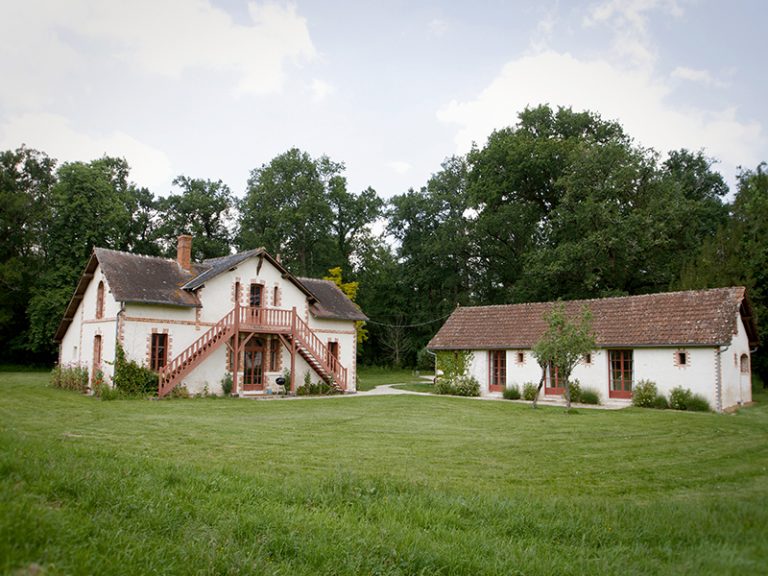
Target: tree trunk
{"points": [[567, 394], [541, 383]]}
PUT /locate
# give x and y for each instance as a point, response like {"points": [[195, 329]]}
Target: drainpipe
{"points": [[719, 379], [117, 335]]}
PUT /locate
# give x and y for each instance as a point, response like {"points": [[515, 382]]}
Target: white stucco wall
{"points": [[184, 325], [699, 374], [736, 385], [76, 348]]}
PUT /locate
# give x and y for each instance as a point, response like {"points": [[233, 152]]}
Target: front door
{"points": [[253, 365], [552, 384]]}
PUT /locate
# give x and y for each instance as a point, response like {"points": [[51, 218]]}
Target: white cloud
{"points": [[44, 40], [321, 90], [628, 20], [54, 134], [399, 166], [634, 97], [438, 27], [694, 75]]}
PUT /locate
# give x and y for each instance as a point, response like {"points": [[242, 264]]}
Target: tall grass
{"points": [[379, 485]]}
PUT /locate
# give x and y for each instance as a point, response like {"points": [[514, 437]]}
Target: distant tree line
{"points": [[562, 205]]}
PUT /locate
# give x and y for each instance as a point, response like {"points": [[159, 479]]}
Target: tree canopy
{"points": [[561, 205]]}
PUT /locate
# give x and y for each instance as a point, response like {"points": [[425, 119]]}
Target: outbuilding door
{"points": [[552, 384]]}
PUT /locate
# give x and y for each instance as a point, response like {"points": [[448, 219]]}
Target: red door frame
{"points": [[626, 366], [253, 375], [499, 374], [557, 389]]}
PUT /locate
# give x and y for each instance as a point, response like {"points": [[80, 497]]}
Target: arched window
{"points": [[100, 300], [744, 364]]}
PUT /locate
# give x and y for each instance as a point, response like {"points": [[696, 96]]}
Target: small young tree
{"points": [[563, 344]]}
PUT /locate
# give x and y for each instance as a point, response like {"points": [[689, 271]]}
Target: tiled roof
{"points": [[146, 279], [331, 302], [691, 318], [153, 280]]}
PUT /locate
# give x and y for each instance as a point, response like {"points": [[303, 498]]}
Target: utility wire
{"points": [[407, 325]]}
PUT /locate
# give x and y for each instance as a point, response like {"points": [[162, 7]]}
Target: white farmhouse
{"points": [[695, 339], [243, 314]]}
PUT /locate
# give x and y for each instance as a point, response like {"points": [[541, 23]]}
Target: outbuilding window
{"points": [[158, 356]]}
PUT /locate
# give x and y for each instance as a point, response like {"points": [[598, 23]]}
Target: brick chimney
{"points": [[184, 252]]}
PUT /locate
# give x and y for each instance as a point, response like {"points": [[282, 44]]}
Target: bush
{"points": [[590, 396], [683, 399], [316, 389], [467, 386], [679, 398], [512, 393], [131, 378], [460, 386], [179, 391], [660, 402], [226, 384], [576, 393], [425, 360], [698, 403], [70, 378], [104, 391], [529, 391], [644, 394]]}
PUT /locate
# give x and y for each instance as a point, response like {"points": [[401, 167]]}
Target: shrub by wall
{"points": [[576, 393], [683, 399], [131, 378], [455, 379], [70, 378], [644, 394], [529, 391], [590, 396], [512, 393]]}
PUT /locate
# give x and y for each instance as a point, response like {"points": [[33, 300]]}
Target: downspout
{"points": [[117, 336], [719, 378]]}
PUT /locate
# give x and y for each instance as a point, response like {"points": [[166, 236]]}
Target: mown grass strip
{"points": [[381, 485]]}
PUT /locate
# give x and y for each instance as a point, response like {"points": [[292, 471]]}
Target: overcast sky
{"points": [[215, 88]]}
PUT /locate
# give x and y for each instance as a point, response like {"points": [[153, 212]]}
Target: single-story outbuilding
{"points": [[700, 339]]}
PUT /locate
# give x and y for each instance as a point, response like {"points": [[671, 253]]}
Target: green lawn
{"points": [[376, 485], [368, 377], [421, 386]]}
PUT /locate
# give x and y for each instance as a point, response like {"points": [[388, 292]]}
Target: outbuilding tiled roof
{"points": [[331, 303], [690, 318]]}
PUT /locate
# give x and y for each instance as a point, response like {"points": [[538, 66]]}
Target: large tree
{"points": [[90, 205], [204, 209], [286, 210], [26, 178]]}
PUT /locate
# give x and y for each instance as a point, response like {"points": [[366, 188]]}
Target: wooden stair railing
{"points": [[309, 346], [326, 365], [172, 373]]}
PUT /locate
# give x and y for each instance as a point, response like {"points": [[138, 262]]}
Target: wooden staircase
{"points": [[287, 323]]}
